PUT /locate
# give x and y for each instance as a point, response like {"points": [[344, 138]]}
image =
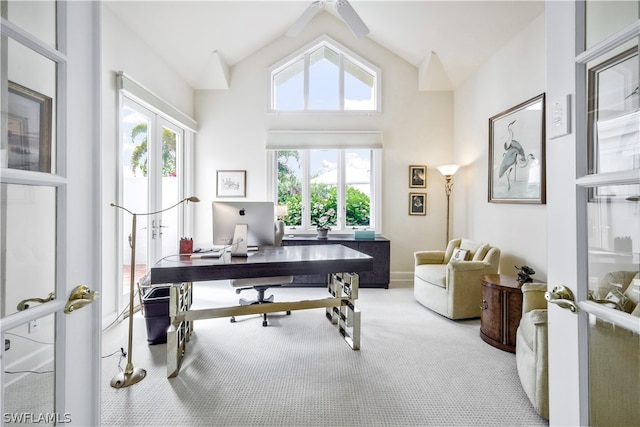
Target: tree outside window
{"points": [[139, 154]]}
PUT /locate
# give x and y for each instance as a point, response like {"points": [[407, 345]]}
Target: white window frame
{"points": [[307, 228], [345, 54]]}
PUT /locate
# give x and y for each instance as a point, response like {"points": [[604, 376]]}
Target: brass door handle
{"points": [[483, 305], [562, 296], [24, 304], [80, 296]]}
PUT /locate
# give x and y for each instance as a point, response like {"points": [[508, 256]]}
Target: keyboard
{"points": [[216, 253]]}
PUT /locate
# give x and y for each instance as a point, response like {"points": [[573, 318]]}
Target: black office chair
{"points": [[261, 284]]}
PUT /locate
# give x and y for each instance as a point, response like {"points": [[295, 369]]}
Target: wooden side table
{"points": [[501, 310]]}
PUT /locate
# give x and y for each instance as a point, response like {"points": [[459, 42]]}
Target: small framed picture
{"points": [[417, 176], [417, 203], [231, 184]]}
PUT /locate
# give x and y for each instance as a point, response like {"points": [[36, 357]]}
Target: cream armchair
{"points": [[532, 360], [452, 287]]}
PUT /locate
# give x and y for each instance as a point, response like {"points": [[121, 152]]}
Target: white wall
{"points": [[513, 75], [123, 51], [429, 128], [417, 129]]}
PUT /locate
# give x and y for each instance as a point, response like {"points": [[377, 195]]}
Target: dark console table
{"points": [[379, 249]]}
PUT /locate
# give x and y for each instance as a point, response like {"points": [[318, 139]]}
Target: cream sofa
{"points": [[449, 287], [532, 361]]}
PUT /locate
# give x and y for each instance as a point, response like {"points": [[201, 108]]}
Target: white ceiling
{"points": [[462, 34]]}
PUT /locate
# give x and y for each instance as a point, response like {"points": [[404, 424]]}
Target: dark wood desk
{"points": [[336, 261], [268, 261]]}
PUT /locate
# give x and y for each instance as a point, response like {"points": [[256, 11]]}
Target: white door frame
{"points": [[567, 252], [82, 363]]}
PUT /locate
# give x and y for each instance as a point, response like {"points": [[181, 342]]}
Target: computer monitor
{"points": [[259, 218]]}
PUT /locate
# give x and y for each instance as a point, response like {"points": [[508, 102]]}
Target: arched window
{"points": [[324, 76]]}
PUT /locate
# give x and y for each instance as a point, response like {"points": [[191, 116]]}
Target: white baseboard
{"points": [[401, 279]]}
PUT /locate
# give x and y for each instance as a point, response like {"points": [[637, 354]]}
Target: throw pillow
{"points": [[616, 296], [459, 254], [481, 252], [470, 245], [633, 291]]}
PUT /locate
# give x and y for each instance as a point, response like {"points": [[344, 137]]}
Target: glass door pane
{"points": [[36, 17], [28, 123], [614, 112], [605, 18], [613, 214], [29, 374], [614, 374], [28, 242], [135, 190], [168, 225]]}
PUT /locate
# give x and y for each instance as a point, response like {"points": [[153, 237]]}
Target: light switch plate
{"points": [[560, 117]]}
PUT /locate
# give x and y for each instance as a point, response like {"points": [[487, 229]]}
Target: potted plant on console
{"points": [[323, 221]]}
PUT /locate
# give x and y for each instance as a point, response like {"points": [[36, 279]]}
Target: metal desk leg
{"points": [[347, 316], [179, 332], [333, 287]]}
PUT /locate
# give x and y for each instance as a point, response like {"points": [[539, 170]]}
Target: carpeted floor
{"points": [[415, 368]]}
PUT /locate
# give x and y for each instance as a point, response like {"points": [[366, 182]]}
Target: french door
{"points": [[594, 168], [152, 180], [49, 222]]}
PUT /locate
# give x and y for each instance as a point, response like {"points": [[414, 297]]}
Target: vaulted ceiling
{"points": [[446, 40]]}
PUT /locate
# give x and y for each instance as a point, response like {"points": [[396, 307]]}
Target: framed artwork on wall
{"points": [[29, 116], [417, 203], [231, 183], [417, 176], [517, 154]]}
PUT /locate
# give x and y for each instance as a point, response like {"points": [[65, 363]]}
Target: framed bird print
{"points": [[517, 154]]}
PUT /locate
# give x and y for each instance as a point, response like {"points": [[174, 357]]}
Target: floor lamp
{"points": [[131, 375], [448, 171]]}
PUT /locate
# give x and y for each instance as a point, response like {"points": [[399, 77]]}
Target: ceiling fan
{"points": [[344, 8]]}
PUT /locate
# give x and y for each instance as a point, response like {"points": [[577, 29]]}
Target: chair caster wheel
{"points": [[232, 320], [288, 312], [264, 323]]}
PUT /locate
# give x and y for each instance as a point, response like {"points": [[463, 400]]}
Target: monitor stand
{"points": [[239, 242]]}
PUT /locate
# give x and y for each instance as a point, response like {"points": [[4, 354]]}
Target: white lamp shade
{"points": [[281, 210], [448, 170]]}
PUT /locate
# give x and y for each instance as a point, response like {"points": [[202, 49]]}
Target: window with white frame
{"points": [[334, 187], [324, 76]]}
